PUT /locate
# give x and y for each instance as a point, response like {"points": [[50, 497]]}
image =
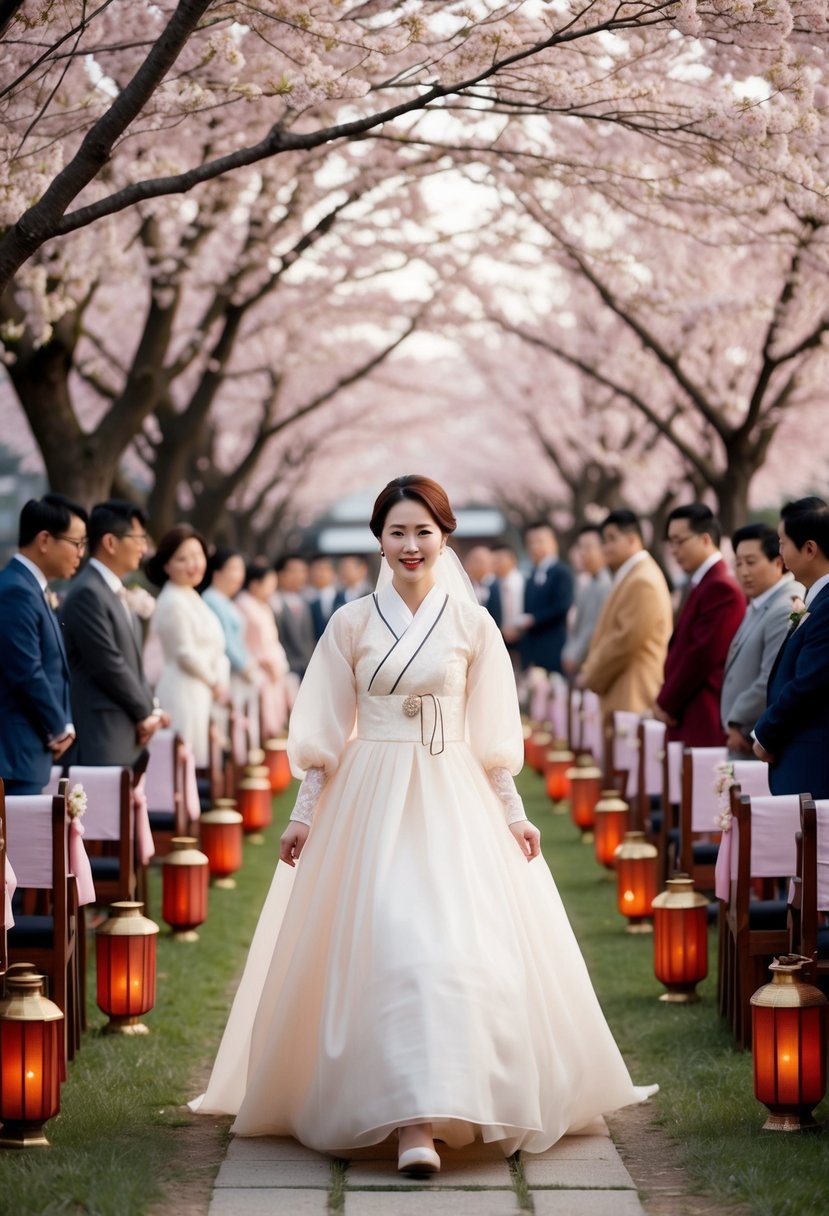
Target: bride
{"points": [[411, 972]]}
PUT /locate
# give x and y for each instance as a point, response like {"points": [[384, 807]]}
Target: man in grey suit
{"points": [[591, 594], [769, 589], [293, 613], [113, 708]]}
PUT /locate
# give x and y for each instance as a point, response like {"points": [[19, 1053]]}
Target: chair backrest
{"points": [[651, 747], [771, 823], [591, 724], [699, 774], [625, 748], [752, 777], [108, 790], [672, 772], [161, 781], [29, 842], [574, 724], [557, 706], [822, 854], [6, 918]]}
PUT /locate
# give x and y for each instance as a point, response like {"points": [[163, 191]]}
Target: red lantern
{"points": [[528, 744], [541, 741], [636, 881], [788, 1035], [612, 821], [585, 790], [278, 765], [253, 797], [184, 879], [559, 760], [30, 1061], [221, 842], [680, 942], [126, 968]]}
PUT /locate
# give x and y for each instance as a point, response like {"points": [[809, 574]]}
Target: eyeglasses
{"points": [[676, 542], [141, 537], [80, 545]]}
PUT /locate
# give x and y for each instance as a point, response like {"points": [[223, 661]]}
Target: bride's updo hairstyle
{"points": [[415, 489]]}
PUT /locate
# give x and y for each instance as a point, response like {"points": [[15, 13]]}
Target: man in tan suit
{"points": [[625, 662]]}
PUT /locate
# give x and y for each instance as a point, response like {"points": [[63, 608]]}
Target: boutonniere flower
{"points": [[76, 801], [723, 781], [797, 618], [52, 600]]}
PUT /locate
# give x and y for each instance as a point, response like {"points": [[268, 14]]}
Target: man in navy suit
{"points": [[792, 735], [35, 713], [548, 597]]}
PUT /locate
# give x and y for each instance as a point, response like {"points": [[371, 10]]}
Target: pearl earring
{"points": [[382, 553]]}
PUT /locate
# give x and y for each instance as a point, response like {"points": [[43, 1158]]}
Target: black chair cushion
{"points": [[32, 933], [767, 914], [823, 942], [705, 854], [105, 869], [655, 818], [162, 821]]}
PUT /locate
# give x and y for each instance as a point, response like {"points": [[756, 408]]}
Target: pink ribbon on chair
{"points": [[722, 869], [11, 887], [144, 843], [190, 787], [79, 863]]}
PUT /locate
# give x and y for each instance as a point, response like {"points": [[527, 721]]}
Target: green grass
{"points": [[117, 1142], [706, 1102], [119, 1145]]}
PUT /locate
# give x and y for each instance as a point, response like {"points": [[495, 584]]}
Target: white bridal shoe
{"points": [[418, 1162]]}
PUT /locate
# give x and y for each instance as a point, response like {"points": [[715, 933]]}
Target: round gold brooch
{"points": [[411, 705]]}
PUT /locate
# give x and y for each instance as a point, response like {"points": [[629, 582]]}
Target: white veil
{"points": [[450, 576]]}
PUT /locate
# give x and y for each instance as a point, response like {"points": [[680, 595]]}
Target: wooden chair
{"points": [[38, 847], [646, 809], [699, 835], [764, 846], [6, 917], [809, 897], [592, 742], [109, 831], [621, 753], [574, 722], [164, 789], [671, 794]]}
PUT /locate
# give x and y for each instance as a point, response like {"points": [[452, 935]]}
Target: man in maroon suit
{"points": [[689, 700]]}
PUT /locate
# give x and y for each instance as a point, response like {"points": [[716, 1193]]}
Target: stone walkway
{"points": [[580, 1176]]}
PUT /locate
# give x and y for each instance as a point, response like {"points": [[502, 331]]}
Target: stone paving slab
{"points": [[439, 1203], [474, 1173], [576, 1148], [274, 1174], [576, 1174], [585, 1203], [252, 1202], [269, 1148]]}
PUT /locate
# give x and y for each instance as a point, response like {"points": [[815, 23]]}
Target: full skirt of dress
{"points": [[414, 966]]}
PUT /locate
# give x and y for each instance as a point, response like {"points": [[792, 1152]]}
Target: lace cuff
{"points": [[308, 796], [502, 781]]}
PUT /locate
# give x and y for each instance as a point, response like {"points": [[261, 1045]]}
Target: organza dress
{"points": [[414, 967]]}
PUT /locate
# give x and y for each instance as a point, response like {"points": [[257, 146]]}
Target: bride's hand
{"points": [[527, 837], [292, 842]]}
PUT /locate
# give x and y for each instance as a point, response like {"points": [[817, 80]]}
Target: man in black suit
{"points": [[112, 704], [791, 735], [548, 597], [325, 597], [293, 615], [36, 726]]}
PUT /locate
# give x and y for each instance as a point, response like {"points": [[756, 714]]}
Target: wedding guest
{"points": [[293, 615], [481, 570], [791, 734], [754, 647], [591, 592], [548, 597], [113, 707], [196, 671], [689, 700], [626, 659], [36, 726], [511, 594], [263, 644], [225, 579], [324, 596], [352, 573]]}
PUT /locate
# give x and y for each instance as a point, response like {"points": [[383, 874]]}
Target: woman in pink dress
{"points": [[264, 646]]}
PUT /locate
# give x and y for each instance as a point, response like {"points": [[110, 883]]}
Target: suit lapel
{"points": [[32, 582]]}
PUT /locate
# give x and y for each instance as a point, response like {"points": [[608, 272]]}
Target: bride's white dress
{"points": [[414, 967]]}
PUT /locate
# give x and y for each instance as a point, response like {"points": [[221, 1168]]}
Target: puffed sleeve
{"points": [[492, 717], [326, 705]]}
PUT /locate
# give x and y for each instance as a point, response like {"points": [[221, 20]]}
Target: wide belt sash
{"points": [[428, 718]]}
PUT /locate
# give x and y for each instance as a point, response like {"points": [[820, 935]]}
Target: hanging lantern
{"points": [[30, 1060], [558, 760], [636, 881], [585, 790], [279, 768], [612, 821], [680, 942], [125, 964], [221, 841], [184, 878], [253, 797], [788, 1035]]}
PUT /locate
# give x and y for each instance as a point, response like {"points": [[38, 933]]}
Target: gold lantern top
{"points": [[126, 919], [611, 800], [635, 847], [787, 990], [25, 1000], [220, 815], [224, 804], [183, 852], [559, 753], [584, 770], [679, 893], [276, 745]]}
